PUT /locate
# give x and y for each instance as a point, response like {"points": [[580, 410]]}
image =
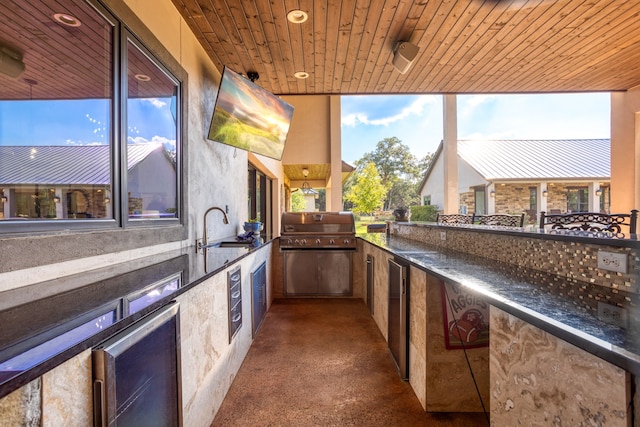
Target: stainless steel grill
{"points": [[318, 249], [318, 230]]}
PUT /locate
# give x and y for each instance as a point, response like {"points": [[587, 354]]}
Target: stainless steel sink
{"points": [[233, 244]]}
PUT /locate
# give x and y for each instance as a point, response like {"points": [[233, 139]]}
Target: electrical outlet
{"points": [[443, 235], [612, 261], [612, 314]]}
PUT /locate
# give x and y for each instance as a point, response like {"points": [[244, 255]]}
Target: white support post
{"points": [[450, 155]]}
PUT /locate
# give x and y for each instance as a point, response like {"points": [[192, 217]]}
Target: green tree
{"points": [[367, 193], [399, 171], [297, 202], [423, 165]]}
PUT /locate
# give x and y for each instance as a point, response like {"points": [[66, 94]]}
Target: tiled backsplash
{"points": [[563, 266]]}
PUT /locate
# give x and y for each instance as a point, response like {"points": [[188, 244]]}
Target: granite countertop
{"points": [[34, 318], [47, 323], [512, 291]]}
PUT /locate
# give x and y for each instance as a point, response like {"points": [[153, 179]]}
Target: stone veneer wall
{"points": [[512, 198], [557, 197], [467, 199], [563, 267]]}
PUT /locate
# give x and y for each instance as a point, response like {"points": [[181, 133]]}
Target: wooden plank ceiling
{"points": [[67, 62], [465, 46]]}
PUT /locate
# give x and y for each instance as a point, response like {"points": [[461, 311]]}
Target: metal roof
{"points": [[568, 159], [51, 165]]}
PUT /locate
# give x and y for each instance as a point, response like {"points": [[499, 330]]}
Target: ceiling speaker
{"points": [[404, 55], [10, 62]]}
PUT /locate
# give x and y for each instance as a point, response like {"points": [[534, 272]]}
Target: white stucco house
{"points": [[514, 176]]}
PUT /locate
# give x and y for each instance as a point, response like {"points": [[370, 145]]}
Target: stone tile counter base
{"points": [[538, 379], [570, 264]]}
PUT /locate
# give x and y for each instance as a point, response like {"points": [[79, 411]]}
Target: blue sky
{"points": [[83, 122], [417, 119]]}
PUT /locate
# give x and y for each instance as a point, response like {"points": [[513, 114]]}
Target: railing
{"points": [[592, 224]]}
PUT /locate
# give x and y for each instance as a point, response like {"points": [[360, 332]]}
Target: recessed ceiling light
{"points": [[66, 19], [142, 77], [297, 16], [301, 75]]}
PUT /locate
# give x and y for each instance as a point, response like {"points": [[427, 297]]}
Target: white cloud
{"points": [[154, 140], [80, 143], [475, 100], [471, 103], [155, 102], [415, 108]]}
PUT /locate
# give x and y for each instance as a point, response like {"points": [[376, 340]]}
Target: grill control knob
{"points": [[289, 242], [346, 241], [318, 241], [297, 242], [303, 242], [332, 242]]}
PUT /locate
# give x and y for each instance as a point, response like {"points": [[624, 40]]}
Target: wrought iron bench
{"points": [[593, 223], [454, 219], [503, 220]]}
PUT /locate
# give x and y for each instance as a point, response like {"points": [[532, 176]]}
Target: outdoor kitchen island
{"points": [[540, 341], [549, 358]]}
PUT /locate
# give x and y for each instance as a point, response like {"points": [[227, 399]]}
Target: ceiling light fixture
{"points": [[66, 19], [297, 16], [301, 75], [142, 77]]}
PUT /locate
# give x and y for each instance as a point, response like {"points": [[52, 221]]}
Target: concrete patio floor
{"points": [[323, 362]]}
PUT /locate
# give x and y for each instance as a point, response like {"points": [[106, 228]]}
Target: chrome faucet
{"points": [[225, 220]]}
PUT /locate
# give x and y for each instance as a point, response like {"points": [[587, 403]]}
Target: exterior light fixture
{"points": [[3, 199], [306, 188], [107, 200], [544, 193], [492, 193], [297, 16], [599, 192], [301, 75], [56, 199]]}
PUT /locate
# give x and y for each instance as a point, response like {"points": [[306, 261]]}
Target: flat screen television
{"points": [[249, 117]]}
